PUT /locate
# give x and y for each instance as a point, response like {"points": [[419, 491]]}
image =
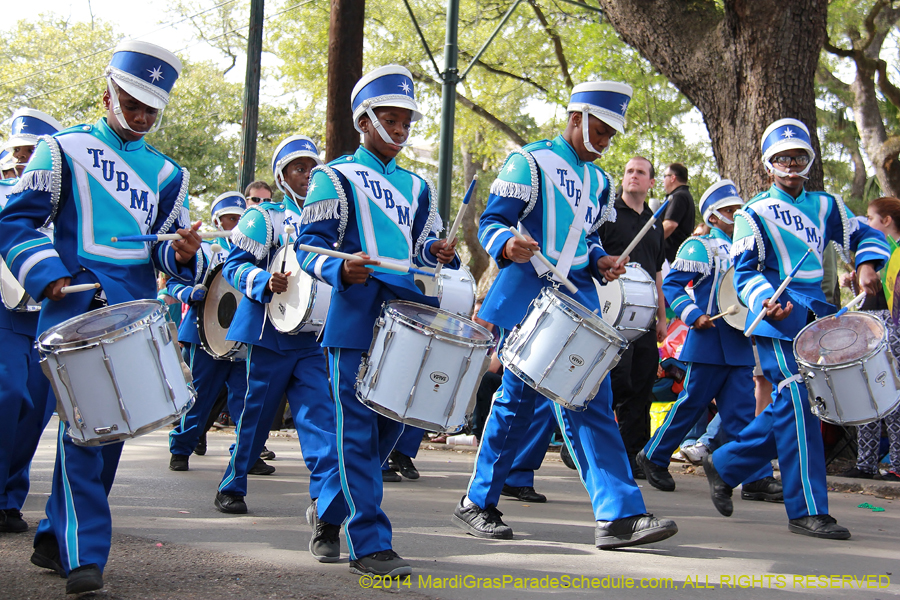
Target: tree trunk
{"points": [[345, 61], [743, 65], [480, 260]]}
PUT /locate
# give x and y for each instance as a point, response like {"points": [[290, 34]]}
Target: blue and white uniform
{"points": [[358, 203], [91, 185], [278, 364], [772, 233], [546, 188]]}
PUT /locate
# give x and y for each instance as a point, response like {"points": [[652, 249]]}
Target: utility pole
{"points": [[250, 122], [345, 63]]}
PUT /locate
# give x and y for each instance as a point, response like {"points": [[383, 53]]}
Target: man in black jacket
{"points": [[678, 220]]}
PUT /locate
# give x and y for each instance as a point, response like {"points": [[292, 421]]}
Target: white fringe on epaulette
{"points": [[39, 181], [438, 226], [691, 266], [323, 210], [243, 242], [508, 189], [742, 245]]}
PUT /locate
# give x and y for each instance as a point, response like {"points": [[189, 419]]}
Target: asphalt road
{"points": [[170, 542]]}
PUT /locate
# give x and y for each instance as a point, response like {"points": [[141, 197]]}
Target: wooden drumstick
{"points": [[459, 217], [170, 237], [777, 293], [565, 280], [650, 222], [731, 310], [82, 287], [345, 256]]}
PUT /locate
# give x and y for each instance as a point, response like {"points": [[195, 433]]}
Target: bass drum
{"points": [[14, 296], [215, 314], [728, 296]]}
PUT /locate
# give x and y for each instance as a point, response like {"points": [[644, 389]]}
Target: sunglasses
{"points": [[257, 199]]}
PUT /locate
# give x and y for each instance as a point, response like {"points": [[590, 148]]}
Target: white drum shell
{"points": [[629, 303], [14, 296], [420, 376], [88, 381], [304, 306], [856, 392], [728, 296], [455, 289], [561, 350]]}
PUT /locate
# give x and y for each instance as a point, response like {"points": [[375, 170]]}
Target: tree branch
{"points": [[870, 23], [557, 44], [837, 50], [496, 71], [890, 91]]}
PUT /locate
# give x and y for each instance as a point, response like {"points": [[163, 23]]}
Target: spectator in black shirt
{"points": [[632, 379], [678, 220]]}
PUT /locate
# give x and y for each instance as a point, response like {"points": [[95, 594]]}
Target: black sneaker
{"points": [[266, 454], [84, 579], [524, 493], [178, 462], [719, 491], [325, 544], [11, 521], [481, 522], [390, 476], [857, 473], [633, 531], [46, 554], [261, 468], [819, 526], [767, 489], [227, 503], [404, 464], [200, 449], [657, 476], [636, 471], [386, 563], [566, 457]]}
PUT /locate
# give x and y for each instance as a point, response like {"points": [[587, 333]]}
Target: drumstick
{"points": [[852, 304], [345, 256], [170, 237], [82, 287], [641, 233], [777, 293], [459, 217], [731, 310], [286, 238], [565, 281]]}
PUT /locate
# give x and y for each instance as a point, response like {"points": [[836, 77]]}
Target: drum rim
{"points": [[23, 305], [201, 332], [159, 313], [305, 322], [884, 342], [415, 325], [556, 297]]}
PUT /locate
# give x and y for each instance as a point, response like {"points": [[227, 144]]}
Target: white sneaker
{"points": [[678, 456], [695, 453]]}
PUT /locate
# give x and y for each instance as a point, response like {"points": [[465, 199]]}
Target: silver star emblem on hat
{"points": [[733, 191], [624, 107], [309, 146], [156, 74], [405, 87], [788, 133]]}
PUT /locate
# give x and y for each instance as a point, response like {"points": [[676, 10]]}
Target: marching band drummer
{"points": [[556, 192], [94, 182], [771, 234], [720, 359], [365, 204], [280, 363], [25, 392], [209, 373]]}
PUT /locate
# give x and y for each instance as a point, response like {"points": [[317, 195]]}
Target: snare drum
{"points": [[562, 349], [455, 289], [215, 314], [629, 302], [14, 296], [116, 372], [727, 296], [849, 371], [304, 306], [424, 366]]}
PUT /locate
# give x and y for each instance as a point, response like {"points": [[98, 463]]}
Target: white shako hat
{"points": [[786, 134], [606, 100], [28, 125], [144, 70], [390, 85], [722, 193]]}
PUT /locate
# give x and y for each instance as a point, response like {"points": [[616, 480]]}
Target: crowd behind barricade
{"points": [[618, 331]]}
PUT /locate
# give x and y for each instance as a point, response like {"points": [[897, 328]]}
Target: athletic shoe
{"points": [[11, 521], [178, 462], [695, 453], [266, 454], [404, 464], [46, 555], [200, 448], [390, 476], [524, 493], [633, 531], [566, 457], [719, 491], [84, 579], [857, 473], [481, 522], [386, 563], [768, 489], [325, 544], [227, 503], [890, 476], [261, 468], [819, 526], [657, 476]]}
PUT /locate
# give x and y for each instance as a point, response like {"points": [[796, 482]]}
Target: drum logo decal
{"points": [[606, 306], [881, 378], [576, 360], [439, 377]]}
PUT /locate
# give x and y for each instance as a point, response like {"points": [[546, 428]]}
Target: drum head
{"points": [[216, 314], [101, 324], [439, 321], [611, 297], [727, 296], [290, 309], [830, 341], [12, 293]]}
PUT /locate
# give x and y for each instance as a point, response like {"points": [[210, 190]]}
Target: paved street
{"points": [[171, 543]]}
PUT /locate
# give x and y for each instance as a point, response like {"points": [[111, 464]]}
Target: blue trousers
{"points": [[210, 375], [786, 428], [365, 440], [534, 445], [25, 409], [301, 375], [732, 388], [78, 514], [592, 438]]}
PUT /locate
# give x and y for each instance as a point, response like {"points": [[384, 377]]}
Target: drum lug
{"points": [[363, 367], [154, 347], [412, 391], [76, 413], [384, 351], [106, 430], [165, 333], [107, 361]]}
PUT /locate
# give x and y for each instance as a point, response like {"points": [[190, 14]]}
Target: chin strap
{"points": [[723, 218], [117, 110], [585, 136], [773, 169], [282, 185], [380, 128]]}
